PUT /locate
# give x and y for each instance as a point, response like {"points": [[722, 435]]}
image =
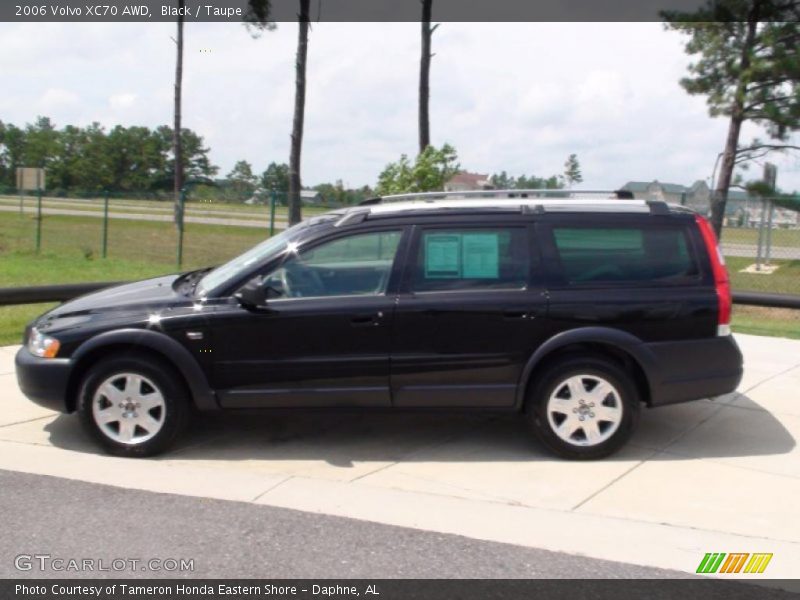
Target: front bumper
{"points": [[44, 380]]}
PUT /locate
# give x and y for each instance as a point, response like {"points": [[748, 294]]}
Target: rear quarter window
{"points": [[625, 255]]}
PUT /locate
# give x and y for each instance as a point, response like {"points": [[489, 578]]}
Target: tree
{"points": [[259, 16], [41, 143], [503, 181], [748, 68], [572, 171], [138, 158], [12, 146], [177, 142], [276, 178], [431, 170], [425, 74], [295, 185], [241, 179]]}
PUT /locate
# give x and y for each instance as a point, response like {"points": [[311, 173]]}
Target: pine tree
{"points": [[748, 66], [572, 171]]}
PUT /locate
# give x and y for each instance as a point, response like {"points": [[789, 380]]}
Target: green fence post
{"points": [[105, 225], [179, 219], [38, 219], [272, 199]]}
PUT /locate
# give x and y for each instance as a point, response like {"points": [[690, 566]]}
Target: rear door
{"points": [[468, 315], [639, 274]]}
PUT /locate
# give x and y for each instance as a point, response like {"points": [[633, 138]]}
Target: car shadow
{"points": [[692, 430]]}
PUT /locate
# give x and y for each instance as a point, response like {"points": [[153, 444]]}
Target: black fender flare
{"points": [[180, 358], [621, 340]]}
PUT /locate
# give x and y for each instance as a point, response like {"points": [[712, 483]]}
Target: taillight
{"points": [[722, 282]]}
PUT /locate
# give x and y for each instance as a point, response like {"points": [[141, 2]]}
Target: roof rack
{"points": [[555, 194]]}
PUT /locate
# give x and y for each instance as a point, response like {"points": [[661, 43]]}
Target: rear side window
{"points": [[625, 254], [469, 259]]}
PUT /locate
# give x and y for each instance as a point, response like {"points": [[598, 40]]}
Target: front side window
{"points": [[470, 259], [624, 254], [354, 265]]}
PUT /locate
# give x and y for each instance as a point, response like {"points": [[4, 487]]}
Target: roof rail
{"points": [[658, 207], [561, 194]]}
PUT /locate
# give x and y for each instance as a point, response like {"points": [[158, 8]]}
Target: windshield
{"points": [[230, 270]]}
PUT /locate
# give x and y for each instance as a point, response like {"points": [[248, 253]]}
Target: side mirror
{"points": [[252, 295]]}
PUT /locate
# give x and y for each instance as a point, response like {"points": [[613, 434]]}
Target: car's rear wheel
{"points": [[584, 407], [133, 405]]}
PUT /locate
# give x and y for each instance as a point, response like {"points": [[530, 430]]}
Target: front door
{"points": [[324, 340], [468, 317]]}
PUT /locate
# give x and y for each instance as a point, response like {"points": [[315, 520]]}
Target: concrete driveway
{"points": [[721, 476]]}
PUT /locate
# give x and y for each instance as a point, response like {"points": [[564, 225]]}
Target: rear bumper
{"points": [[694, 369], [43, 380]]}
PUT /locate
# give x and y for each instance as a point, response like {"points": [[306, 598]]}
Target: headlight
{"points": [[42, 345]]}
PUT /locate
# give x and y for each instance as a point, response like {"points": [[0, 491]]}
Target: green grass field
{"points": [[140, 241], [758, 320], [71, 253], [786, 280], [128, 205]]}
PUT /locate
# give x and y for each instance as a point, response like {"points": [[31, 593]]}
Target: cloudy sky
{"points": [[516, 97]]}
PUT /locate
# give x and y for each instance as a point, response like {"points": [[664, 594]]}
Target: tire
{"points": [[133, 405], [575, 418]]}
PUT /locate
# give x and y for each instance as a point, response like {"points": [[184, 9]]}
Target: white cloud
{"points": [[518, 97], [122, 101], [55, 99]]}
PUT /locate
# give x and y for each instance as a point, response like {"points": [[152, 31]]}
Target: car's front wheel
{"points": [[584, 407], [133, 405]]}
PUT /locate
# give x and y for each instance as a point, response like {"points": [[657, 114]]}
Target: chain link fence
{"points": [[145, 227], [760, 240], [761, 244]]}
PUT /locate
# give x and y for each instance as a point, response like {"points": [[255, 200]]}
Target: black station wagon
{"points": [[572, 311]]}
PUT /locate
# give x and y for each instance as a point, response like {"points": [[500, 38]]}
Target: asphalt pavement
{"points": [[75, 520]]}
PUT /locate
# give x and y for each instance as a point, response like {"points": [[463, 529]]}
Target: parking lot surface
{"points": [[708, 476]]}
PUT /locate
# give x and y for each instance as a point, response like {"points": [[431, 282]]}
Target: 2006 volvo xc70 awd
{"points": [[573, 312]]}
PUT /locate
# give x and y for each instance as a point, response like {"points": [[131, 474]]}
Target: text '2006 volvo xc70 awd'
{"points": [[571, 311]]}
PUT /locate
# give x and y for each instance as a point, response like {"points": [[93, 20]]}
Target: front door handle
{"points": [[511, 313], [371, 320]]}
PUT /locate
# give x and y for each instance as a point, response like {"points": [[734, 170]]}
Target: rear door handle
{"points": [[515, 314], [366, 320]]}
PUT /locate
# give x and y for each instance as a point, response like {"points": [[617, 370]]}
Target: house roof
{"points": [[467, 178], [641, 186]]}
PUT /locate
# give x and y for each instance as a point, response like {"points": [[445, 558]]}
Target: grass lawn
{"points": [[759, 320], [24, 268], [786, 280], [71, 250], [146, 242]]}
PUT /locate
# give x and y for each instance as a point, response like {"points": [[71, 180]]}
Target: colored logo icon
{"points": [[737, 562]]}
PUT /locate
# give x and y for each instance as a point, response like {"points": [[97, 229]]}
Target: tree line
{"points": [[92, 158], [140, 160]]}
